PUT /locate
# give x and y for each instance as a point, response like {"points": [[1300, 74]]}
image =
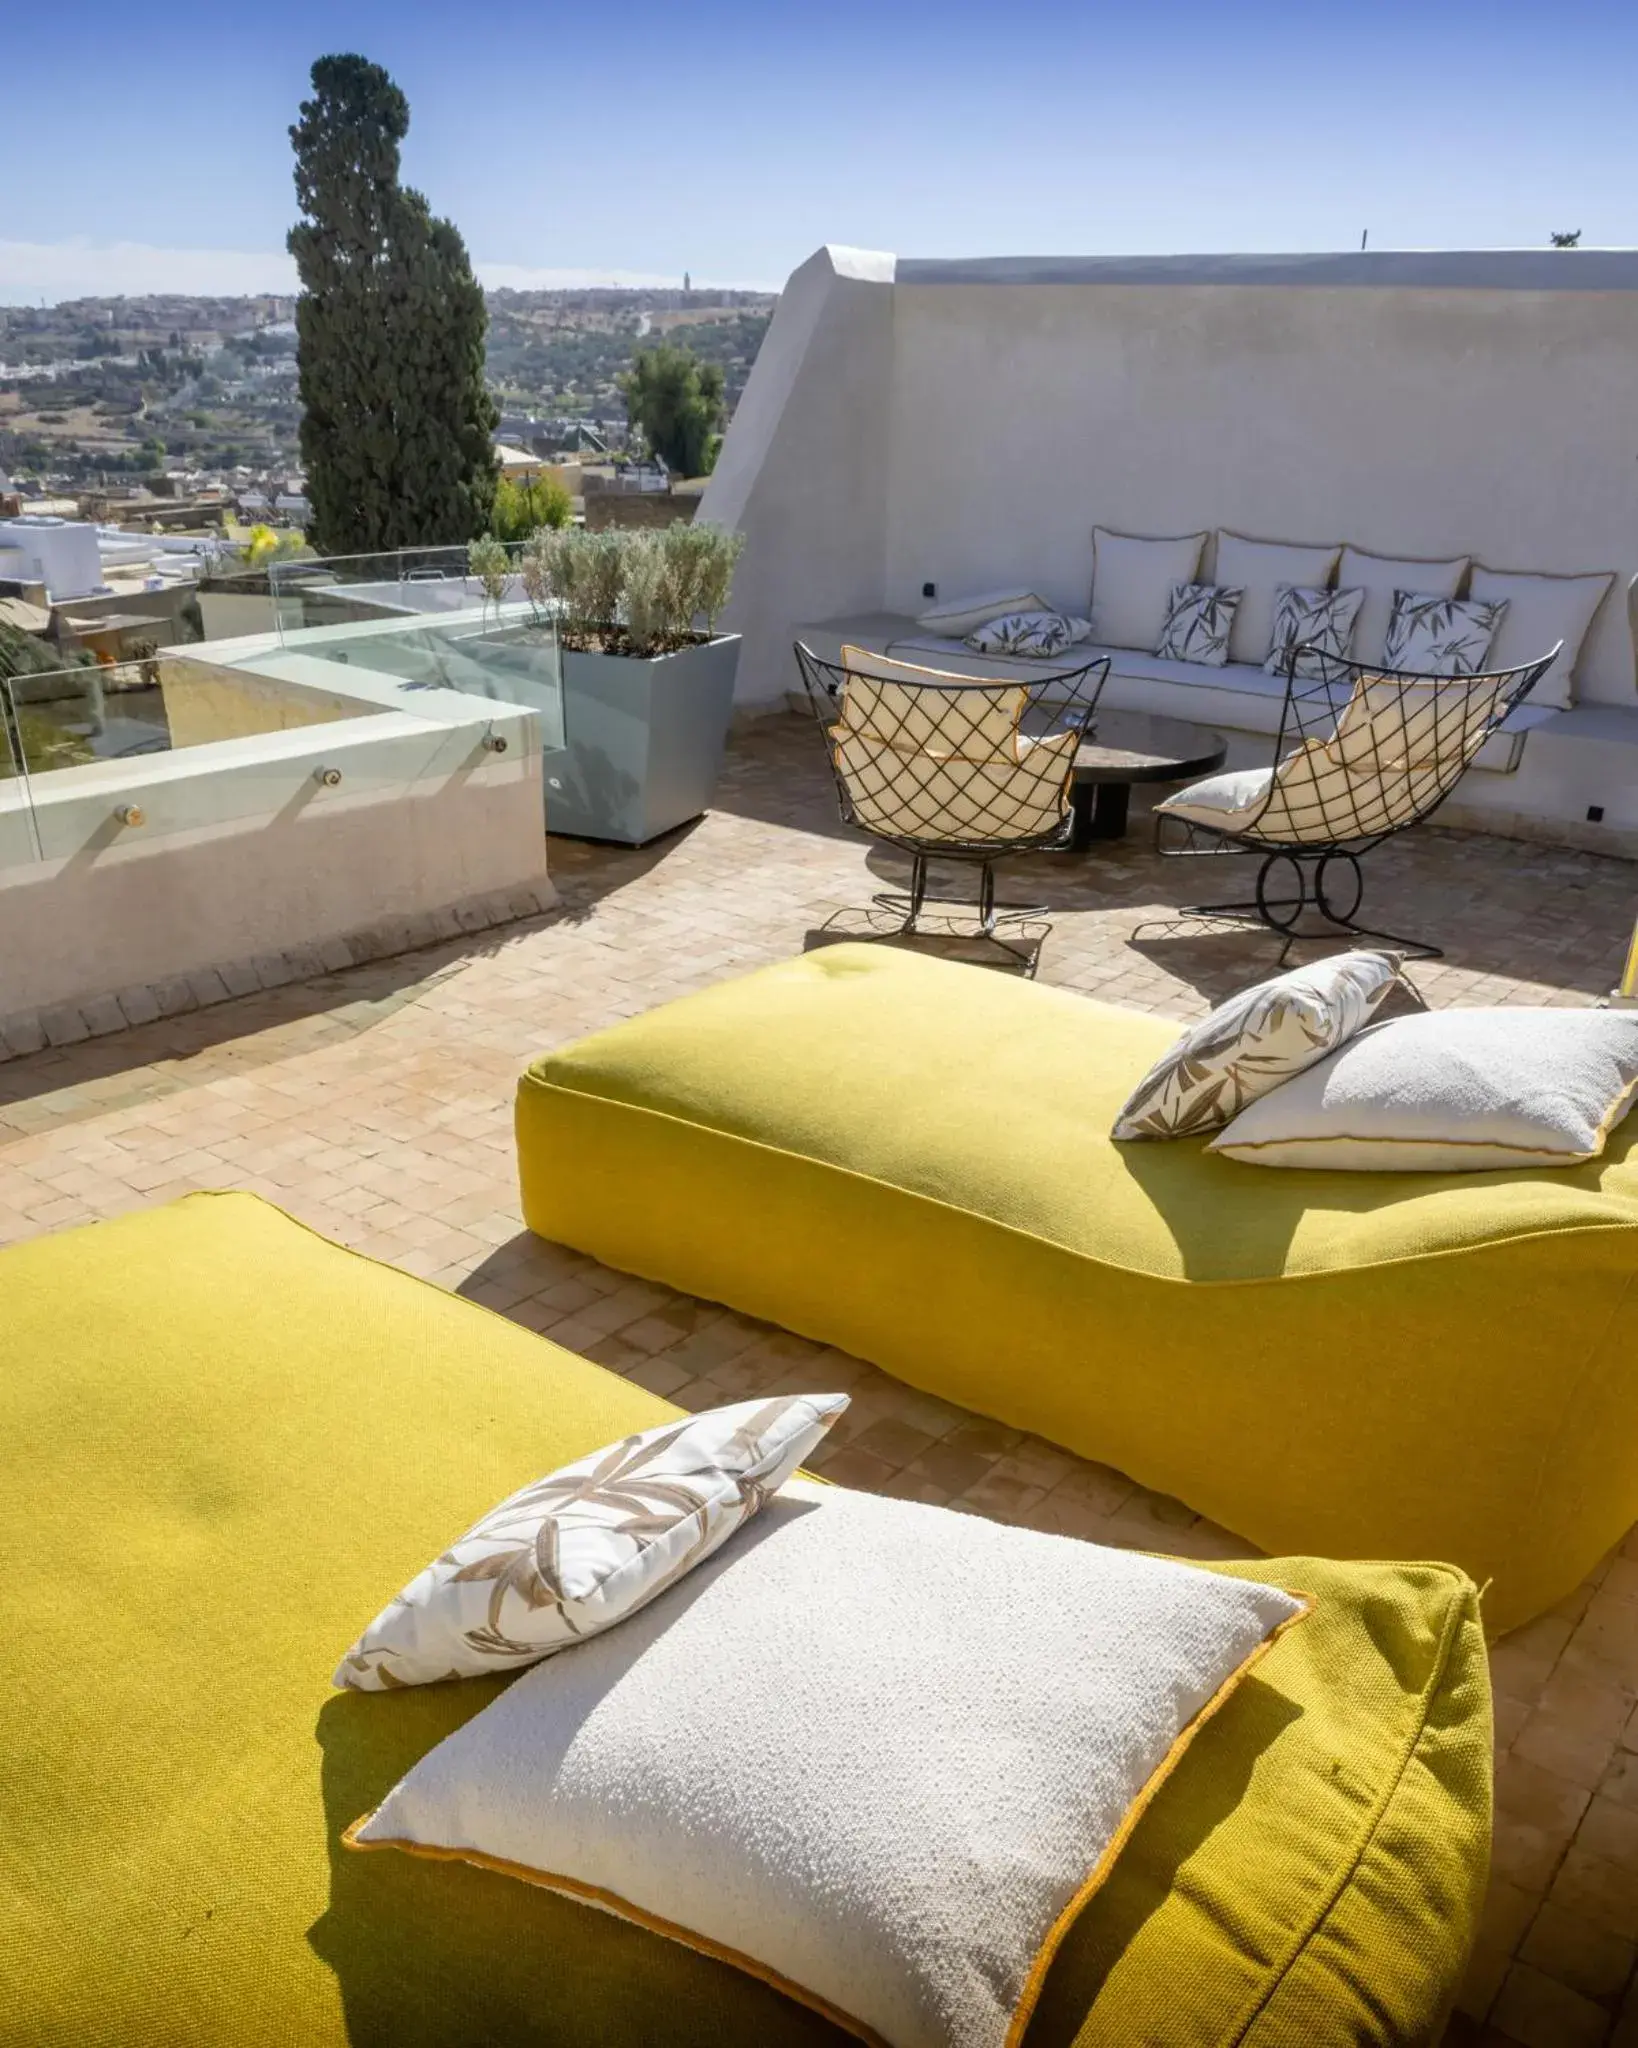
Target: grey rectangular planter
{"points": [[642, 741]]}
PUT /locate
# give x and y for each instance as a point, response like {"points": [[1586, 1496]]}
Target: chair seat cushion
{"points": [[912, 1160], [1223, 801], [221, 1438]]}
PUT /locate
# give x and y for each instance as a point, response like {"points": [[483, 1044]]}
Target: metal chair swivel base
{"points": [[1330, 885], [910, 906]]}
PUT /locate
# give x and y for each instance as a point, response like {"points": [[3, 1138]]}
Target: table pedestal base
{"points": [[1100, 813]]}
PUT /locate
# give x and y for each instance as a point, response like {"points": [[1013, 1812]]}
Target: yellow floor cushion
{"points": [[223, 1442], [911, 1160]]}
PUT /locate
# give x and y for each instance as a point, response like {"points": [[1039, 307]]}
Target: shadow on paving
{"points": [[587, 870], [1504, 907], [237, 1036]]}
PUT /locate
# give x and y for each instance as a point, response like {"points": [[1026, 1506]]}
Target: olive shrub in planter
{"points": [[648, 682]]}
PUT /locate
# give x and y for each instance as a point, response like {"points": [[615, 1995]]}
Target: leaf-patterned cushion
{"points": [[1256, 1040], [572, 1554], [1033, 635], [1442, 636], [1321, 619], [1199, 619]]}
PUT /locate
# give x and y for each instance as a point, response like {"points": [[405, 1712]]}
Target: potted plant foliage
{"points": [[648, 681]]}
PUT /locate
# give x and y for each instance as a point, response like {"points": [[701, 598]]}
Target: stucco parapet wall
{"points": [[1489, 270], [27, 1031]]}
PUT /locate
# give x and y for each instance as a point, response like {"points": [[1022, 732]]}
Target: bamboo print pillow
{"points": [[1199, 619], [1256, 1040], [1319, 619], [572, 1554], [1035, 635], [1442, 636]]}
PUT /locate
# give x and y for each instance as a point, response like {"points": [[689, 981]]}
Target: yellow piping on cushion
{"points": [[1441, 1664], [1024, 2010]]}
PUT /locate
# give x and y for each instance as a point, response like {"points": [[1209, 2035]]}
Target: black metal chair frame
{"points": [[1056, 703], [1320, 872]]}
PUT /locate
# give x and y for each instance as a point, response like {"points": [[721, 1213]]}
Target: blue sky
{"points": [[146, 149]]}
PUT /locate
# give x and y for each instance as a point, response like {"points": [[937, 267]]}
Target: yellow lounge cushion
{"points": [[220, 1437], [912, 1160]]}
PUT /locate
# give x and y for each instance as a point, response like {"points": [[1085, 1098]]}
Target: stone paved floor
{"points": [[376, 1105]]}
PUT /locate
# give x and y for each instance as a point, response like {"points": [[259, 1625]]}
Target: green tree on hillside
{"points": [[676, 403], [397, 428], [523, 508]]}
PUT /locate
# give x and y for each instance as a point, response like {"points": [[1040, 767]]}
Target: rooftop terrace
{"points": [[375, 1104]]}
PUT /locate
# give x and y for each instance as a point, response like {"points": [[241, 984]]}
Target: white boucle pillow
{"points": [[588, 1544], [877, 1753], [1451, 1091]]}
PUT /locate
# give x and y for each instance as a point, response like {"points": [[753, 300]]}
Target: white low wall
{"points": [[137, 914], [965, 424], [1419, 421], [244, 850], [802, 472]]}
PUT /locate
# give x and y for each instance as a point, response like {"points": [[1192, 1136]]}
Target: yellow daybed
{"points": [[223, 1442], [911, 1160]]}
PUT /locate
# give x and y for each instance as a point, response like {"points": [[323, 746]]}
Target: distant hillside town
{"points": [[150, 464], [166, 406]]}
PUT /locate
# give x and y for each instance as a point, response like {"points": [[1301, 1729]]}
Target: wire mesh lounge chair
{"points": [[951, 767], [1363, 752]]}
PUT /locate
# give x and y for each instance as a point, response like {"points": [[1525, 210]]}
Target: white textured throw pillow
{"points": [[1452, 1091], [1541, 612], [1262, 568], [958, 616], [578, 1551], [1228, 802], [1254, 1042], [879, 1753], [1133, 578], [1381, 577]]}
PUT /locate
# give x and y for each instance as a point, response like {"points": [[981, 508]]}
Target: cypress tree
{"points": [[397, 424], [676, 402]]}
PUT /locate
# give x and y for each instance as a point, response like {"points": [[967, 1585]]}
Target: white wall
{"points": [[1426, 405], [1418, 422], [63, 553], [253, 845], [137, 906], [802, 472]]}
